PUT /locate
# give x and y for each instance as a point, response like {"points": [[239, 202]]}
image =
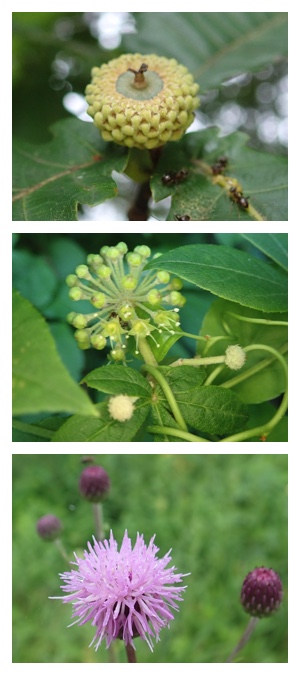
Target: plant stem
{"points": [[245, 637], [200, 361], [146, 352], [131, 654], [170, 431], [168, 394], [62, 550], [98, 517]]}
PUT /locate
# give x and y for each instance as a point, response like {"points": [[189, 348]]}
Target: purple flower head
{"points": [[261, 593], [126, 593], [94, 483], [48, 527]]}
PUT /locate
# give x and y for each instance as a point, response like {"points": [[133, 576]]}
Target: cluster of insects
{"points": [[123, 324], [219, 166], [238, 197], [183, 217], [174, 177]]}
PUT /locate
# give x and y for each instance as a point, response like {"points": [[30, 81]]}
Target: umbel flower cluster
{"points": [[142, 101], [127, 301], [126, 593]]}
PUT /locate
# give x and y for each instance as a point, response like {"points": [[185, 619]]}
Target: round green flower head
{"points": [[126, 300], [142, 101]]}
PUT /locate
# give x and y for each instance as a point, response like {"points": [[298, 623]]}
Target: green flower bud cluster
{"points": [[122, 293]]}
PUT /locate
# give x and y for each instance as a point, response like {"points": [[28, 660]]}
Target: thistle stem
{"points": [[62, 550], [245, 637], [131, 654], [98, 517]]}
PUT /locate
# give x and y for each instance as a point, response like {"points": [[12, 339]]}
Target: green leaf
{"points": [[162, 417], [274, 246], [40, 381], [260, 415], [269, 382], [215, 46], [118, 380], [262, 177], [231, 274], [207, 409], [104, 428], [33, 277], [74, 168]]}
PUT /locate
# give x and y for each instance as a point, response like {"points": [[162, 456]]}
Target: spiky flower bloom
{"points": [[142, 101], [261, 593], [49, 527], [94, 483], [127, 301], [126, 593]]}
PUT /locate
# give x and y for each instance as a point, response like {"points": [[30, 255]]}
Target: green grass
{"points": [[222, 515]]}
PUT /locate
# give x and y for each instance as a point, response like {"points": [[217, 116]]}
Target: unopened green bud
{"points": [[123, 248], [103, 272], [71, 280], [126, 312], [94, 260], [82, 335], [104, 250], [82, 272], [143, 250], [113, 253], [163, 277], [98, 341], [84, 345], [117, 354], [175, 298], [80, 321], [112, 328], [176, 284], [76, 294], [70, 317], [129, 282], [98, 300], [141, 327], [154, 297], [134, 259]]}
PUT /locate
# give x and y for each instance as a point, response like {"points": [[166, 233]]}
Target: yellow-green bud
{"points": [[103, 272], [142, 101], [176, 284], [126, 312], [76, 294], [82, 335], [163, 277], [129, 282], [71, 280], [98, 299], [175, 298], [98, 341], [123, 248], [154, 297], [113, 253], [80, 321], [117, 354], [82, 272], [134, 259], [143, 250]]}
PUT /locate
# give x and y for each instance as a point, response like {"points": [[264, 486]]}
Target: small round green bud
{"points": [[82, 272], [112, 328], [175, 298], [154, 297], [98, 300], [129, 282], [163, 277], [80, 321], [113, 253], [123, 248], [104, 250], [84, 345], [82, 335], [176, 284], [103, 272], [141, 327], [134, 259], [126, 312], [143, 250], [70, 317], [94, 260], [117, 354], [76, 294], [98, 341], [71, 280]]}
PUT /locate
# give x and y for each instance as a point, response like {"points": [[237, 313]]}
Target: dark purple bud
{"points": [[94, 483], [48, 527], [261, 593]]}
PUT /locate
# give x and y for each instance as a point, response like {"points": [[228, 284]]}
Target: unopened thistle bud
{"points": [[142, 101], [261, 593], [49, 527], [94, 483]]}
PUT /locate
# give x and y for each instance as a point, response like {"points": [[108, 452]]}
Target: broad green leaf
{"points": [[40, 381], [215, 46], [118, 380], [229, 273], [261, 176], [33, 277], [162, 417], [261, 414], [274, 246], [35, 433], [269, 382], [206, 409], [74, 168], [104, 428]]}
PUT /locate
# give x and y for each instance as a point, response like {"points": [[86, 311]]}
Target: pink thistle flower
{"points": [[126, 593]]}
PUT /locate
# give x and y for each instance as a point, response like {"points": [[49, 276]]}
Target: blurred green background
{"points": [[222, 515]]}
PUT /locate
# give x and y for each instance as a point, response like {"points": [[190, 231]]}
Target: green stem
{"points": [[265, 322], [200, 361], [146, 352], [170, 431], [245, 637], [62, 550], [32, 429], [98, 517], [168, 394], [212, 376], [265, 429], [251, 371]]}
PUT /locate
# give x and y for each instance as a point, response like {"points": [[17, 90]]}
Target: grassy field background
{"points": [[222, 515]]}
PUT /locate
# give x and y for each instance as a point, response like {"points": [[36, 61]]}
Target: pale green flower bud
{"points": [[71, 280], [176, 284], [82, 272], [143, 250], [134, 259], [98, 341], [163, 277], [129, 282], [117, 354], [154, 297], [80, 321], [76, 294], [123, 248], [103, 272], [82, 336], [98, 300]]}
